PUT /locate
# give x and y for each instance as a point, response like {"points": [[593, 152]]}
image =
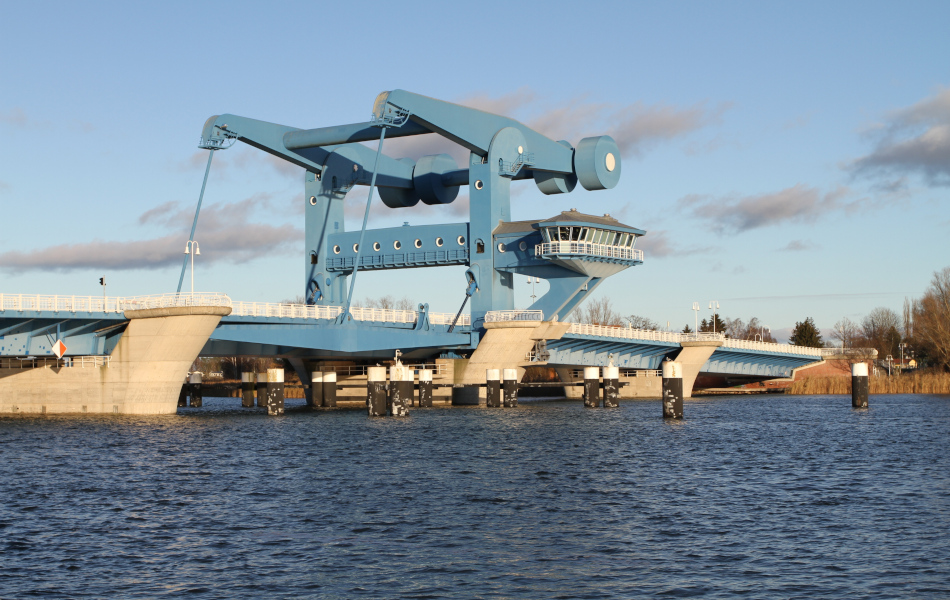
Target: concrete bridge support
{"points": [[692, 358], [504, 346], [144, 375]]}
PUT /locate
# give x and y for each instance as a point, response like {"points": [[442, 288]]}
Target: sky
{"points": [[787, 159]]}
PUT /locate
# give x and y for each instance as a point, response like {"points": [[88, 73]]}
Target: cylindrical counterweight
{"points": [[425, 388], [247, 390], [275, 391], [376, 391], [510, 387], [672, 390], [492, 388], [591, 387], [611, 387], [859, 385]]}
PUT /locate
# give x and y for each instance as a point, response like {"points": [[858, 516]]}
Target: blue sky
{"points": [[786, 159]]}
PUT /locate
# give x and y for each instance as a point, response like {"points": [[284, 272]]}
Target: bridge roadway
{"points": [[92, 326]]}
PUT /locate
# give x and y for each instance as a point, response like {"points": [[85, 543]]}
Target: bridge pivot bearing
{"points": [[394, 197], [597, 163], [556, 183], [427, 179]]}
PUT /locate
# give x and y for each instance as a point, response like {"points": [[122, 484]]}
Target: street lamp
{"points": [[189, 245], [696, 309], [532, 281], [889, 359], [902, 345], [714, 306]]}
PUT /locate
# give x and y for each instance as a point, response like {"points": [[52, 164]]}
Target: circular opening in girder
{"points": [[376, 246], [356, 247], [313, 200], [610, 161], [417, 243], [478, 184], [439, 241], [520, 149], [501, 247], [397, 244], [336, 249], [461, 240], [523, 246]]}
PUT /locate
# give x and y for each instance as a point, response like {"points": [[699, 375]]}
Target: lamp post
{"points": [[189, 246], [714, 306], [889, 360], [902, 345], [696, 310], [532, 281]]}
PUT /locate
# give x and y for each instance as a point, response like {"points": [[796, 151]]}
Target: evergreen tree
{"points": [[707, 326], [687, 329], [806, 334]]}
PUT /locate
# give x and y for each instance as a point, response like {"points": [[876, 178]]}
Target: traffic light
{"points": [[102, 281]]}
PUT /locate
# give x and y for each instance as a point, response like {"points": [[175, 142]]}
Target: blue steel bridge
{"points": [[572, 251], [92, 326]]}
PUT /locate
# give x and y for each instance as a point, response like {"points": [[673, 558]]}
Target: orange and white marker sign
{"points": [[59, 348]]}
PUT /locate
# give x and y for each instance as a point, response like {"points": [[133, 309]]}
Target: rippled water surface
{"points": [[777, 497]]}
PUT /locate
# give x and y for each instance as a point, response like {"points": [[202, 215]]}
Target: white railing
{"points": [[501, 316], [588, 249], [174, 300], [771, 347], [679, 338], [310, 311], [628, 333], [96, 304], [868, 352], [81, 362]]}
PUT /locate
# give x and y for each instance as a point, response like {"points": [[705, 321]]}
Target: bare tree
{"points": [[597, 312], [932, 319], [386, 302], [638, 322], [740, 330], [847, 332], [880, 328]]}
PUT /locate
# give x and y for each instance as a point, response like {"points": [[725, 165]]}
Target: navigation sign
{"points": [[59, 348]]}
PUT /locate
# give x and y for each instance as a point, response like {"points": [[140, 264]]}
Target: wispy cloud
{"points": [[912, 141], [5, 187], [735, 214], [226, 233], [798, 246], [659, 244], [15, 116]]}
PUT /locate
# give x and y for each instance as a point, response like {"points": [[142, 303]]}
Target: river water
{"points": [[762, 497]]}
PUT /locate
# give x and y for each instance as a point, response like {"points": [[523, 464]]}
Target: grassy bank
{"points": [[927, 382]]}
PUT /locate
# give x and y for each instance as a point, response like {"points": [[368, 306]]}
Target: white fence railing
{"points": [[855, 352], [358, 370], [305, 311], [501, 316], [81, 362], [771, 347], [588, 249], [96, 304], [679, 338]]}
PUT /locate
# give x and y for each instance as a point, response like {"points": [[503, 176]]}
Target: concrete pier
{"points": [[509, 387], [194, 390], [859, 385], [247, 390], [275, 391], [591, 387], [493, 388], [611, 386], [425, 388], [329, 389], [261, 389], [401, 380], [376, 391], [672, 390], [316, 388]]}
